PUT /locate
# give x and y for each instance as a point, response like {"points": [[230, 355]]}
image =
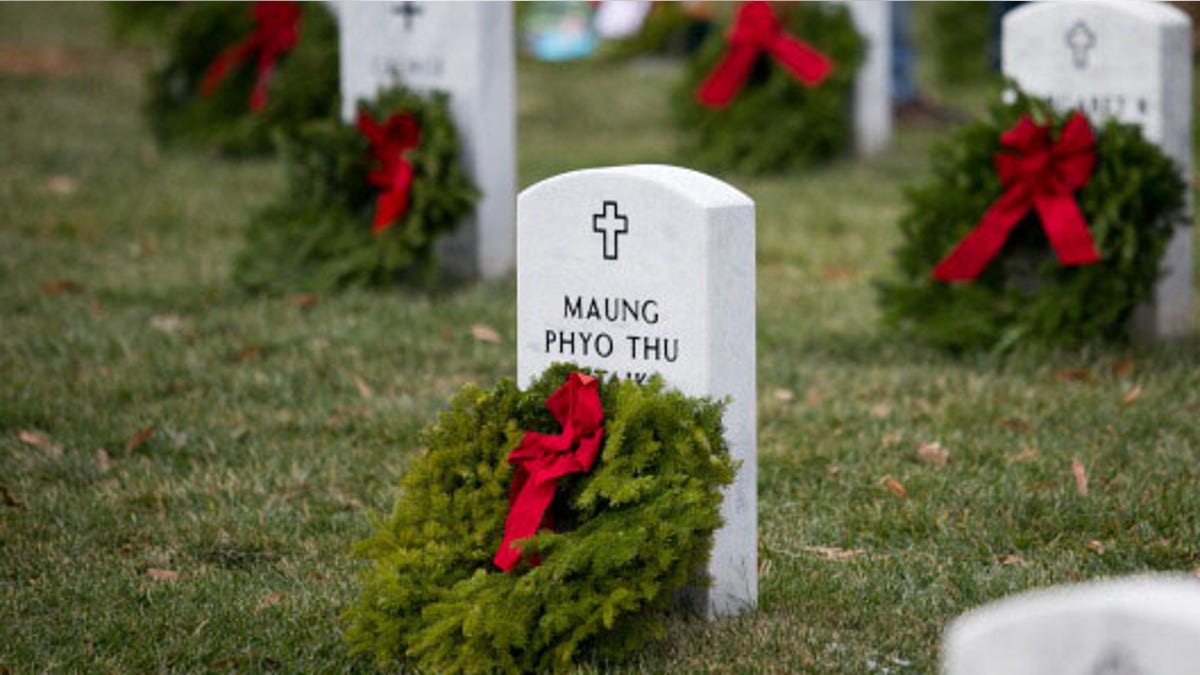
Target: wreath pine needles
{"points": [[1025, 298], [632, 532], [775, 124], [318, 236], [304, 85]]}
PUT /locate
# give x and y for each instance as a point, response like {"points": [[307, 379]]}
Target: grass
{"points": [[219, 542]]}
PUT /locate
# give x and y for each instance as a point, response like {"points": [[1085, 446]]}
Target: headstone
{"points": [[1127, 59], [650, 269], [465, 49], [1138, 626], [873, 84]]}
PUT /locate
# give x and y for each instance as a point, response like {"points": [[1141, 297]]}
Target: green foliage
{"points": [[318, 235], [775, 123], [303, 87], [640, 529], [141, 22], [957, 39], [1132, 203]]}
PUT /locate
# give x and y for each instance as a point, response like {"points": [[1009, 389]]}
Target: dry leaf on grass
{"points": [[1123, 368], [485, 334], [304, 300], [933, 454], [60, 286], [162, 575], [103, 462], [1025, 453], [833, 553], [1009, 559], [1012, 423], [248, 354], [270, 600], [894, 486], [1080, 474], [1074, 375], [41, 441], [363, 388], [1097, 546], [170, 324], [62, 185], [785, 395], [839, 273], [10, 501], [139, 439], [881, 410], [1132, 395], [25, 60]]}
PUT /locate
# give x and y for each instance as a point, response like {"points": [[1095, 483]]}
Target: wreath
{"points": [[363, 204], [774, 93], [1042, 285], [627, 534], [235, 71]]}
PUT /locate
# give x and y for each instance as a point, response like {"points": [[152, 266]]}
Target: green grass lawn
{"points": [[218, 540]]}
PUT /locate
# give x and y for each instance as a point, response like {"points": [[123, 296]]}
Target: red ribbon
{"points": [[1037, 174], [277, 29], [399, 134], [542, 459], [756, 30]]}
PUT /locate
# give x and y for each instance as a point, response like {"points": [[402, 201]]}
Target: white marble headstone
{"points": [[873, 84], [1129, 59], [1136, 626], [650, 269], [467, 50]]}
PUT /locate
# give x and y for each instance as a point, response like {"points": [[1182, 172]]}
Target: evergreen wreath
{"points": [[302, 86], [631, 533], [320, 235], [1131, 203], [775, 123]]}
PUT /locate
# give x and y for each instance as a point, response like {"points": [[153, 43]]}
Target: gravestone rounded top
{"points": [[1149, 12], [1140, 625], [704, 190]]}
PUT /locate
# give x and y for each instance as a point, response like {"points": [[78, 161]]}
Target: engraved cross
{"points": [[610, 223], [408, 10], [1080, 40]]}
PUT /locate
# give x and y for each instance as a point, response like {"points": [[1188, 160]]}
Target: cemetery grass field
{"points": [[183, 467]]}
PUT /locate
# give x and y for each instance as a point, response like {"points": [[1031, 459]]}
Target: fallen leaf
{"points": [[364, 389], [1074, 375], [881, 410], [894, 485], [22, 60], [933, 454], [889, 440], [62, 185], [1080, 477], [10, 501], [785, 395], [168, 323], [1025, 453], [41, 441], [1012, 423], [103, 463], [833, 553], [838, 273], [304, 300], [1132, 395], [60, 286], [1097, 546], [139, 439], [161, 574], [248, 354], [1009, 559], [447, 336], [1044, 485], [270, 600], [485, 334], [1123, 368]]}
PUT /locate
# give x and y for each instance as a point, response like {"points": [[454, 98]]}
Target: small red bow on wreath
{"points": [[277, 29], [756, 30], [542, 459], [399, 134], [1037, 174]]}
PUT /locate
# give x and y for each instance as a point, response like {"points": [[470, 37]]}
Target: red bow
{"points": [[277, 29], [542, 459], [756, 30], [1041, 175], [389, 142]]}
